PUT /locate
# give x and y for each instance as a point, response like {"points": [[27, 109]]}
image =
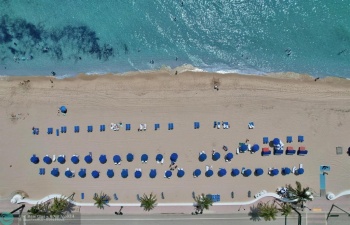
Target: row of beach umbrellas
{"points": [[103, 158], [180, 173]]}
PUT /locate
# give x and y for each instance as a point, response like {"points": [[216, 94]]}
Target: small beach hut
{"points": [[138, 174], [47, 159], [82, 173], [110, 173], [68, 174], [116, 159], [197, 173], [159, 157], [124, 173], [173, 157], [209, 173], [103, 159], [153, 173], [247, 172], [235, 172], [168, 174], [202, 157], [34, 159], [229, 156], [144, 158], [180, 173], [255, 148], [75, 159], [129, 157], [216, 156], [55, 172], [285, 171], [61, 159], [95, 174], [222, 172], [63, 109], [88, 159], [259, 172]]}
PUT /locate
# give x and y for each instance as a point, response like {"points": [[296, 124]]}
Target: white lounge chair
{"points": [[141, 127], [54, 158], [144, 126], [237, 151], [294, 169], [206, 168], [162, 161], [300, 165]]}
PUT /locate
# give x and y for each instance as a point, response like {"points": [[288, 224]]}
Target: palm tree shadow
{"points": [[254, 213]]}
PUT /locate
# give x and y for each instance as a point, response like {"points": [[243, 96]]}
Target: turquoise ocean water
{"points": [[246, 36]]}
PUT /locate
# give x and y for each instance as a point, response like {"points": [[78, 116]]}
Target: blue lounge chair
{"points": [[76, 129], [127, 126], [42, 171], [215, 124], [57, 132], [65, 129], [265, 140], [302, 151], [82, 195], [156, 126], [36, 131], [115, 196], [49, 130], [218, 198], [289, 139], [89, 128], [62, 129], [101, 128], [277, 151], [290, 151], [169, 126], [300, 138]]}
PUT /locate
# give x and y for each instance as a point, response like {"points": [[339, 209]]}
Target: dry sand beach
{"points": [[293, 105]]}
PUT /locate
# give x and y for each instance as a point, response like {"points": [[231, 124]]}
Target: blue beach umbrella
{"points": [[138, 174], [116, 159], [47, 159], [286, 171], [168, 174], [75, 159], [95, 174], [209, 173], [229, 156], [247, 172], [125, 173], [255, 148], [129, 157], [63, 109], [173, 157], [61, 159], [276, 141], [82, 173], [300, 171], [68, 173], [222, 172], [159, 157], [244, 147], [88, 159], [274, 172], [216, 156], [235, 172], [110, 173], [103, 159], [180, 173], [144, 157], [202, 157], [259, 171], [197, 172], [34, 159], [55, 172], [153, 173]]}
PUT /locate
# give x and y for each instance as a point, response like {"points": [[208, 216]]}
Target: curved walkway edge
{"points": [[17, 199]]}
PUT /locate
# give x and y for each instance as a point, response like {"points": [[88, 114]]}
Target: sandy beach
{"points": [[280, 105]]}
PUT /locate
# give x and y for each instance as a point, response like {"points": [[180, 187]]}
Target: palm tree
{"points": [[148, 202], [101, 200], [267, 211], [299, 194], [285, 210], [203, 202], [59, 206]]}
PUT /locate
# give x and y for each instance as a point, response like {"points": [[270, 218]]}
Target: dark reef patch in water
{"points": [[68, 42]]}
